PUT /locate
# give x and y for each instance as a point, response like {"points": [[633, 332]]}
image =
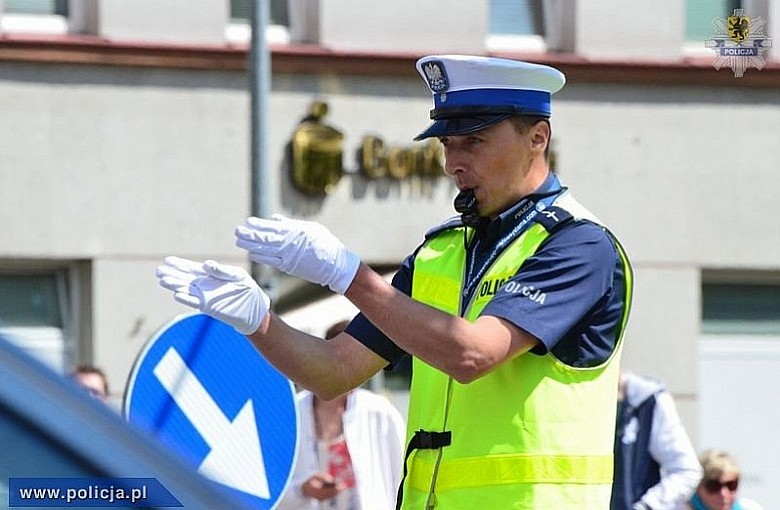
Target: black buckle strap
{"points": [[422, 440]]}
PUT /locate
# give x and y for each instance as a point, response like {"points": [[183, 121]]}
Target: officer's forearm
{"points": [[328, 368], [452, 344]]}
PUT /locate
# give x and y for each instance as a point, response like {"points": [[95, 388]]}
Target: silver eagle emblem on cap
{"points": [[437, 77]]}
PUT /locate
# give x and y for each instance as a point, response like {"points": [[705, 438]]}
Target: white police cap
{"points": [[471, 93]]}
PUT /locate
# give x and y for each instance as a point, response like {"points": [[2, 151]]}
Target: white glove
{"points": [[227, 293], [303, 249]]}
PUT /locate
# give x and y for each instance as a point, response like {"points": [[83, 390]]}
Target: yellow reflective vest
{"points": [[533, 433]]}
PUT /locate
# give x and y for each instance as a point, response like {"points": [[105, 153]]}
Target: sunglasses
{"points": [[717, 485]]}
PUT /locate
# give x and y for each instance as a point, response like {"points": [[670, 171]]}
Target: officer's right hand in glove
{"points": [[304, 249], [227, 293]]}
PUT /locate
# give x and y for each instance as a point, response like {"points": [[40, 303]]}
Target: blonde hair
{"points": [[716, 463]]}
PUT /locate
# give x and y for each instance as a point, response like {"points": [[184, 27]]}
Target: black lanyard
{"points": [[474, 274]]}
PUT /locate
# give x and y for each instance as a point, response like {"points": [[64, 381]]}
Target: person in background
{"points": [[350, 451], [655, 463], [93, 380], [718, 487]]}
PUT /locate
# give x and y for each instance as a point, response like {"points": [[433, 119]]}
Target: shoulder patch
{"points": [[451, 222], [553, 217]]}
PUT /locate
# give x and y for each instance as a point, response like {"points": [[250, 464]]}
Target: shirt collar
{"points": [[506, 221]]}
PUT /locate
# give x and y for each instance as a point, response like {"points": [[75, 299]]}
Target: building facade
{"points": [[126, 136]]}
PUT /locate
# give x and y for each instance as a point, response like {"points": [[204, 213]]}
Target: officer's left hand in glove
{"points": [[304, 249], [226, 293]]}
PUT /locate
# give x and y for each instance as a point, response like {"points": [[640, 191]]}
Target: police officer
{"points": [[512, 311]]}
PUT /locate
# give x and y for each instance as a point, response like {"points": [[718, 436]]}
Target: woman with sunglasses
{"points": [[718, 487]]}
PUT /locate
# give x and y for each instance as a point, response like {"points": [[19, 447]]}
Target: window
{"points": [[240, 30], [241, 11], [516, 25], [46, 16], [34, 314], [29, 300], [699, 15], [57, 7], [516, 17], [739, 358], [730, 308]]}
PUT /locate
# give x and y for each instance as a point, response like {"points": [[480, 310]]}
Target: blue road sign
{"points": [[204, 390]]}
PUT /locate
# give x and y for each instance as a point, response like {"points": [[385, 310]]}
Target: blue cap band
{"points": [[533, 101]]}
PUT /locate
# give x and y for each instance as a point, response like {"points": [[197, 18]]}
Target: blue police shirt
{"points": [[574, 295]]}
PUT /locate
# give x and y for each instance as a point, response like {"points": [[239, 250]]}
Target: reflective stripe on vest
{"points": [[511, 469]]}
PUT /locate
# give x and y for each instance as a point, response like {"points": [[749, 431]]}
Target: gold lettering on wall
{"points": [[317, 153], [376, 160], [317, 156]]}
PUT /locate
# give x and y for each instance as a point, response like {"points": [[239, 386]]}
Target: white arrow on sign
{"points": [[236, 458]]}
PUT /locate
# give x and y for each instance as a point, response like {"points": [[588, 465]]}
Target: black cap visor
{"points": [[460, 125], [469, 119]]}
